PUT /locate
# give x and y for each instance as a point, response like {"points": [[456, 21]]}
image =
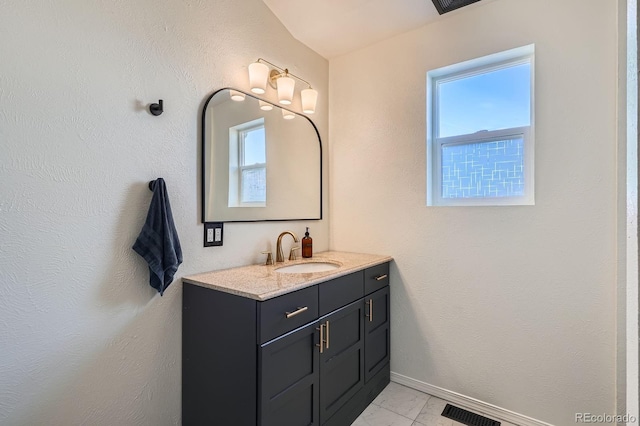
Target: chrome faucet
{"points": [[279, 253]]}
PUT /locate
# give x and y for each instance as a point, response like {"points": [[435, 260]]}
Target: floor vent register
{"points": [[467, 417]]}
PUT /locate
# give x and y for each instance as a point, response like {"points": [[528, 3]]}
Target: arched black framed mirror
{"points": [[260, 162]]}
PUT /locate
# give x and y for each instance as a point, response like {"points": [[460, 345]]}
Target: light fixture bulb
{"points": [[286, 85], [288, 115], [309, 98], [265, 106], [236, 96], [258, 76]]}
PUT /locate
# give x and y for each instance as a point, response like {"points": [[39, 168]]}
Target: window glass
{"points": [[254, 147], [253, 172], [480, 131], [490, 100], [483, 169], [254, 185]]}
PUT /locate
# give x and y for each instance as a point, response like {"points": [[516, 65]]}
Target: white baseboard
{"points": [[468, 403]]}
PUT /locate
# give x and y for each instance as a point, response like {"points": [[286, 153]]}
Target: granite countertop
{"points": [[262, 282]]}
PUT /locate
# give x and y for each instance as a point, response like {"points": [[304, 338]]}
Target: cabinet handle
{"points": [[381, 277], [298, 312], [370, 316], [321, 339], [327, 335]]}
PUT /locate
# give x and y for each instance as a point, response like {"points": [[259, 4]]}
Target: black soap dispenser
{"points": [[307, 245]]}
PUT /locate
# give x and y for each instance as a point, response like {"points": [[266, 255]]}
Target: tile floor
{"points": [[399, 405]]}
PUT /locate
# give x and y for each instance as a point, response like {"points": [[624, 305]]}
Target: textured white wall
{"points": [[514, 306], [84, 338]]}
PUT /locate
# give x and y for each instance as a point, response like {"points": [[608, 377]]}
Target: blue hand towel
{"points": [[158, 241]]}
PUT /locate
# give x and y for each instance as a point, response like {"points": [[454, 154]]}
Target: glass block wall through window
{"points": [[483, 169]]}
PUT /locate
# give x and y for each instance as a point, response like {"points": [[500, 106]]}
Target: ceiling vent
{"points": [[445, 6]]}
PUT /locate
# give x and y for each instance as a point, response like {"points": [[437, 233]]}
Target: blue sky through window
{"points": [[498, 99], [254, 147]]}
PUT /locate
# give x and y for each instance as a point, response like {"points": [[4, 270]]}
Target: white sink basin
{"points": [[303, 268]]}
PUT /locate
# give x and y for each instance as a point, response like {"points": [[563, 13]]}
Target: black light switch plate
{"points": [[213, 234]]}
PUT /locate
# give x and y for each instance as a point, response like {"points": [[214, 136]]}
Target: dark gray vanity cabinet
{"points": [[316, 356], [377, 337], [288, 370], [342, 360]]}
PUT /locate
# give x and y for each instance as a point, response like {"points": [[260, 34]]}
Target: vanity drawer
{"points": [[376, 278], [340, 291], [287, 312]]}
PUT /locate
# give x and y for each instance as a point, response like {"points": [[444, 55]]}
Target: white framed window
{"points": [[248, 165], [480, 139]]}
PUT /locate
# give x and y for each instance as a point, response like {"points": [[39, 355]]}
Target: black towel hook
{"points": [[152, 184], [156, 109]]}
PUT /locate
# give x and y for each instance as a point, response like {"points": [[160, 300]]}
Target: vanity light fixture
{"points": [[281, 79], [309, 98], [288, 115], [236, 96], [265, 106], [286, 85], [258, 75]]}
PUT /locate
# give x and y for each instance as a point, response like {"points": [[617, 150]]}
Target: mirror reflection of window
{"points": [[248, 165], [253, 166]]}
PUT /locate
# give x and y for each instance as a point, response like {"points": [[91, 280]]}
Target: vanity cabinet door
{"points": [[376, 327], [288, 375], [342, 358]]}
